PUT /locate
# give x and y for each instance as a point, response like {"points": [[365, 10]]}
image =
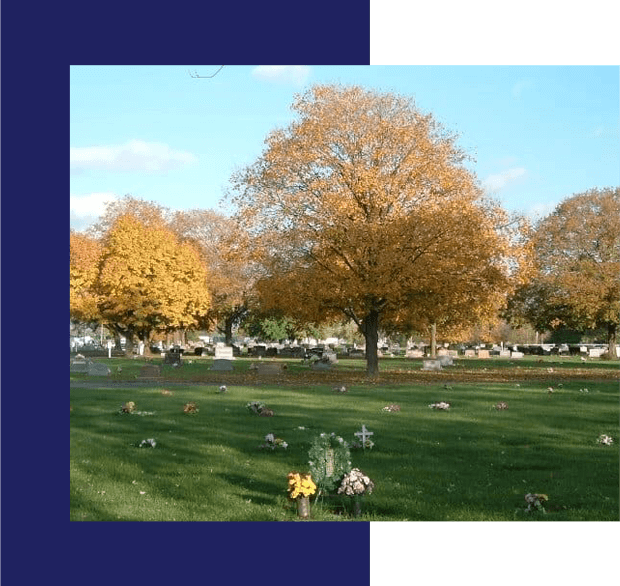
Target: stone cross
{"points": [[364, 435]]}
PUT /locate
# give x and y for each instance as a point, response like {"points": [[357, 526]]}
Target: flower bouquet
{"points": [[148, 443], [359, 445], [300, 488], [190, 408], [128, 407], [605, 440], [441, 406], [501, 406], [535, 502], [393, 408], [356, 485], [255, 407], [272, 443]]}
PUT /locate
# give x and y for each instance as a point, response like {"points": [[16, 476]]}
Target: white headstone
{"points": [[431, 365], [224, 352], [516, 355], [470, 353], [414, 353], [483, 354]]}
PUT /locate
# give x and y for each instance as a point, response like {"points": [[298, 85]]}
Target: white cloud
{"points": [[295, 74], [86, 209], [134, 155], [500, 180], [541, 210]]}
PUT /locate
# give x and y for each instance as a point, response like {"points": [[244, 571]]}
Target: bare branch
{"points": [[196, 76]]}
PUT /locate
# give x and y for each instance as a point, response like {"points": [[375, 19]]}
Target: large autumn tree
{"points": [[84, 253], [363, 206], [577, 252], [149, 281], [226, 253]]}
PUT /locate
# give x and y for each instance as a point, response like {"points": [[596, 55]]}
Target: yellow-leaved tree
{"points": [[149, 281], [84, 252], [363, 206], [225, 252]]}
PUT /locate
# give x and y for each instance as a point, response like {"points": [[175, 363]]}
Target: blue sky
{"points": [[538, 133]]}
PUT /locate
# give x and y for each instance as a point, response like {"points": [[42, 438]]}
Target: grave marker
{"points": [[222, 364], [98, 369], [431, 365], [269, 368], [150, 371], [224, 352], [364, 435], [483, 354]]}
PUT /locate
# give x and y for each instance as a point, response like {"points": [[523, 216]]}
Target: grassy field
{"points": [[471, 463]]}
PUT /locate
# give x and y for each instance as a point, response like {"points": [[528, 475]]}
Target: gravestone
{"points": [[320, 366], [356, 353], [446, 360], [98, 369], [150, 371], [483, 354], [258, 350], [516, 355], [79, 365], [470, 353], [504, 353], [269, 368], [173, 356], [595, 352], [431, 365], [332, 357], [222, 364], [414, 354], [224, 353], [442, 352]]}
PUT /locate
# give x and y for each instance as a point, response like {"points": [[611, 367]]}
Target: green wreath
{"points": [[329, 460]]}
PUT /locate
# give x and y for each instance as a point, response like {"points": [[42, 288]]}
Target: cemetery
{"points": [[466, 439]]}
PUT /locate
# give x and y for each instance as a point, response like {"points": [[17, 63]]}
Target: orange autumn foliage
{"points": [[363, 206]]}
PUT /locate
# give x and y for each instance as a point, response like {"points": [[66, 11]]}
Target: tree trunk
{"points": [[612, 340], [434, 340], [370, 329], [117, 342], [128, 345], [228, 326]]}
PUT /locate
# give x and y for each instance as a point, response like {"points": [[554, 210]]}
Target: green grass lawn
{"points": [[470, 463]]}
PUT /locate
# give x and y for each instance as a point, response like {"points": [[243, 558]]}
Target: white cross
{"points": [[364, 434]]}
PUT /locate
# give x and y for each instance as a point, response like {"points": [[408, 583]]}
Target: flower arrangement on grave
{"points": [[339, 389], [255, 406], [355, 486], [190, 408], [605, 440], [273, 443], [300, 485], [128, 407], [393, 408], [359, 445], [329, 458], [223, 388], [166, 393], [501, 406], [356, 483], [441, 406], [535, 502], [148, 443]]}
